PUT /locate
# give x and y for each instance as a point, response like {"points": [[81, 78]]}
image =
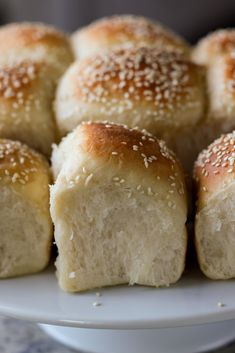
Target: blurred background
{"points": [[192, 19]]}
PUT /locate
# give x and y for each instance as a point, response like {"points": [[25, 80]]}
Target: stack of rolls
{"points": [[133, 111]]}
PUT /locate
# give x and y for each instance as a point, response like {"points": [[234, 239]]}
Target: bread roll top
{"points": [[126, 156], [215, 44], [125, 31], [140, 87], [20, 41], [19, 164], [214, 168]]}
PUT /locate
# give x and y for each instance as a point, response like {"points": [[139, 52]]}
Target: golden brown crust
{"points": [[215, 44], [19, 164], [163, 80], [130, 31], [123, 146], [229, 75], [26, 95], [221, 41], [17, 80], [215, 168], [18, 35]]}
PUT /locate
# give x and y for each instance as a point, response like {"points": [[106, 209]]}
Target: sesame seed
{"points": [[88, 179], [218, 157], [146, 163], [116, 179], [160, 77]]}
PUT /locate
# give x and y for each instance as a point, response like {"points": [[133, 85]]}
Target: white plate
{"points": [[193, 300]]}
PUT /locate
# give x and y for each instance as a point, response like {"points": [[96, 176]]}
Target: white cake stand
{"points": [[194, 315]]}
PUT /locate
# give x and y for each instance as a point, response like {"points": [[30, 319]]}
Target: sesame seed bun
{"points": [[122, 183], [125, 31], [216, 51], [220, 115], [160, 91], [25, 227], [214, 168], [214, 228]]}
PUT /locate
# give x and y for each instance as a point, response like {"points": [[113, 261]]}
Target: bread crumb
{"points": [[220, 304], [96, 304]]}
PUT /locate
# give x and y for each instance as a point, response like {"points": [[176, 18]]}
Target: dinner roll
{"points": [[26, 95], [159, 91], [215, 227], [220, 117], [217, 51], [35, 41], [124, 31], [214, 45], [119, 209], [25, 224]]}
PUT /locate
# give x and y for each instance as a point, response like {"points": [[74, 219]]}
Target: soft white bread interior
{"points": [[214, 45], [125, 31], [215, 221], [26, 95], [160, 91], [35, 41], [25, 223], [119, 209]]}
